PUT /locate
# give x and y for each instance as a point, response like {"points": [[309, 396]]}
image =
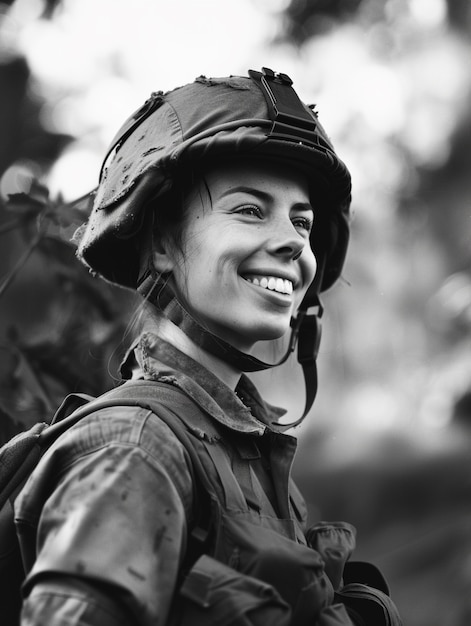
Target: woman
{"points": [[224, 204]]}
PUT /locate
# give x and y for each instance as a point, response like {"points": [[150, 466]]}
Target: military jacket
{"points": [[112, 501]]}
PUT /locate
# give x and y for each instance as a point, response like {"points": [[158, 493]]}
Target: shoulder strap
{"points": [[183, 416], [170, 404], [190, 424], [200, 437], [20, 455]]}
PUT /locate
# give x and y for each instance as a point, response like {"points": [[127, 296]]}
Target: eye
{"points": [[303, 222], [250, 210]]}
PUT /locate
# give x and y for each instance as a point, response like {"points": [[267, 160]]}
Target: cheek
{"points": [[195, 271]]}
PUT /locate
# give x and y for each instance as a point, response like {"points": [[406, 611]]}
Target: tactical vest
{"points": [[242, 567]]}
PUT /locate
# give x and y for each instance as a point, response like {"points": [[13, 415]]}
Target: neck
{"points": [[224, 371]]}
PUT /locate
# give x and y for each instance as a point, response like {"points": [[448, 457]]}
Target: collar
{"points": [[153, 358]]}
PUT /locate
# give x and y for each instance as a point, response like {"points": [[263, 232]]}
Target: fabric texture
{"points": [[114, 507], [111, 501]]}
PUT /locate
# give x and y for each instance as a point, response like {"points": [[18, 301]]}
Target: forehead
{"points": [[272, 177]]}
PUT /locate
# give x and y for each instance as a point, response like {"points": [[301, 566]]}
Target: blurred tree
{"points": [[459, 15], [60, 329], [400, 69], [14, 75], [446, 192], [304, 19], [49, 6], [406, 325], [23, 138]]}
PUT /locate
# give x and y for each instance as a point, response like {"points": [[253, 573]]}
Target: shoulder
{"points": [[134, 427], [135, 430], [124, 432], [119, 441]]}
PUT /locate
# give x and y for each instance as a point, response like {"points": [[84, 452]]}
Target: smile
{"points": [[272, 283]]}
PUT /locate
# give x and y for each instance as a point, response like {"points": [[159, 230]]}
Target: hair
{"points": [[170, 210], [164, 220]]}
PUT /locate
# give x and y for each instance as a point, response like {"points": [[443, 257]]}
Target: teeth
{"points": [[272, 283]]}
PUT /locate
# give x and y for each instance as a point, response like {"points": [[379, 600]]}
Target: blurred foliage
{"points": [[60, 328], [388, 445], [304, 19], [410, 503], [407, 319], [48, 6], [23, 137]]}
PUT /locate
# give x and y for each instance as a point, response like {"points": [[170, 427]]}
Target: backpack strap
{"points": [[188, 422], [200, 429], [200, 436], [198, 433], [185, 419], [20, 455]]}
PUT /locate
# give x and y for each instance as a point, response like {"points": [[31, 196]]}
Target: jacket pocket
{"points": [[214, 594]]}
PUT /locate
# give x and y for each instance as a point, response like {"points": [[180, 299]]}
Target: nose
{"points": [[286, 241]]}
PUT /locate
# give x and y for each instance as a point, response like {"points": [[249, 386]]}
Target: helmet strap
{"points": [[309, 339]]}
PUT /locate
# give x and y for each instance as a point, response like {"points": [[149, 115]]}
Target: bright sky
{"points": [[98, 60]]}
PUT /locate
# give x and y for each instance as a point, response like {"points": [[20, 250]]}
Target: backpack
{"points": [[19, 457]]}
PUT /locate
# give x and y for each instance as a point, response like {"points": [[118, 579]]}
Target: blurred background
{"points": [[387, 444]]}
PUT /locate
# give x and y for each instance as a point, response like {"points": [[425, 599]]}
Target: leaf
{"points": [[24, 203], [33, 202]]}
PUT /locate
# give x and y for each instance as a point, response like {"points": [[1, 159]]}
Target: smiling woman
{"points": [[225, 205], [247, 226]]}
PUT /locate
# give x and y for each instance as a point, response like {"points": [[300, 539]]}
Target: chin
{"points": [[245, 335], [260, 334]]}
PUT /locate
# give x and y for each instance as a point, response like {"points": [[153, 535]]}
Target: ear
{"points": [[162, 258]]}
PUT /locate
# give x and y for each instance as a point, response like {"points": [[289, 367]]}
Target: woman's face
{"points": [[245, 261]]}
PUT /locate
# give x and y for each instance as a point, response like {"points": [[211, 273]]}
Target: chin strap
{"points": [[308, 339], [305, 335]]}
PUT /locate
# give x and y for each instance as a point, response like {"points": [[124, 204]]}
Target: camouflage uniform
{"points": [[112, 500]]}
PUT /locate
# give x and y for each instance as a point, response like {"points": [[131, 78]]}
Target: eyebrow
{"points": [[264, 195]]}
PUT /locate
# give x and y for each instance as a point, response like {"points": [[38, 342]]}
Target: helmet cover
{"points": [[211, 117]]}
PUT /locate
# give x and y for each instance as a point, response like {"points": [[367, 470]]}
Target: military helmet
{"points": [[255, 116]]}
